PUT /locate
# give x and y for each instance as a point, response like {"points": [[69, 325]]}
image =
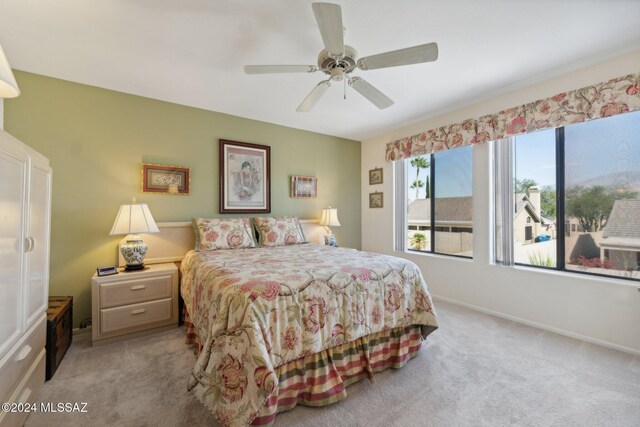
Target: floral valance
{"points": [[606, 99]]}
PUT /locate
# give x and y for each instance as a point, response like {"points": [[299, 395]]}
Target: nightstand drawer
{"points": [[131, 316], [135, 290]]}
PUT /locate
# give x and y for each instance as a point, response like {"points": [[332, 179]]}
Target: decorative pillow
{"points": [[216, 233], [279, 231]]}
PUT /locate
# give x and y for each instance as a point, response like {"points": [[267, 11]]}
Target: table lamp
{"points": [[329, 219], [134, 219], [8, 86]]}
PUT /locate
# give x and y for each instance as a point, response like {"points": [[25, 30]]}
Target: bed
{"points": [[277, 326]]}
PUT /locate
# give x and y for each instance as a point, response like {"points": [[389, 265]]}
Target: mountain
{"points": [[629, 180]]}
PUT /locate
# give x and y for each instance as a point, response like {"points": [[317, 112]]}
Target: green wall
{"points": [[97, 138]]}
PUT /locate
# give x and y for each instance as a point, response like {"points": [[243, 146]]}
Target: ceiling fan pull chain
{"points": [[345, 89]]}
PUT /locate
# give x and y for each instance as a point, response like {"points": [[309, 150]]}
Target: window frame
{"points": [[563, 227], [432, 206]]}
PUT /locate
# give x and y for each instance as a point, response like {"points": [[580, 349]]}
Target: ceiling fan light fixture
{"points": [[337, 74]]}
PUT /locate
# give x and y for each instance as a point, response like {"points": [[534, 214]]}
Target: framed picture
{"points": [[375, 200], [375, 176], [304, 187], [165, 179], [245, 177]]}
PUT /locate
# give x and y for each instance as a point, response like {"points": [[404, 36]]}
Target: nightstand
{"points": [[134, 303]]}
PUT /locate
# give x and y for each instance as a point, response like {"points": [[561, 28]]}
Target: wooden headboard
{"points": [[175, 239]]}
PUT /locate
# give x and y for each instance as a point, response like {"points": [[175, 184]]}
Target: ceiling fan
{"points": [[338, 60]]}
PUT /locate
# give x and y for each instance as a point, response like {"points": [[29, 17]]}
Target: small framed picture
{"points": [[106, 271], [375, 200], [375, 176], [304, 187], [165, 179]]}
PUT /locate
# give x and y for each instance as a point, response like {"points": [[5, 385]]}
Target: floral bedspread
{"points": [[256, 309]]}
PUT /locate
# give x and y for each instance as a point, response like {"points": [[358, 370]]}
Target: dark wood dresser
{"points": [[59, 331]]}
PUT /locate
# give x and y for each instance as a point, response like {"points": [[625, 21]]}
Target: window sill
{"points": [[437, 255], [577, 275]]}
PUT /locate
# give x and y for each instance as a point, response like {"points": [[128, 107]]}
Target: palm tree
{"points": [[427, 188], [419, 163], [417, 185], [418, 241]]}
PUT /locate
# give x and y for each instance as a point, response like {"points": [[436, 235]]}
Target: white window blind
{"points": [[504, 198], [400, 205]]}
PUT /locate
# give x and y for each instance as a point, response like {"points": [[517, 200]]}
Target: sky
{"points": [[453, 174], [535, 157], [585, 158], [603, 147]]}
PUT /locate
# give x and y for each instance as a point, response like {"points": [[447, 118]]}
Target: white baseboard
{"points": [[541, 326]]}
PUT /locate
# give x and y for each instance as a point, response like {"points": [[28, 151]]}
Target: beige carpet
{"points": [[476, 370]]}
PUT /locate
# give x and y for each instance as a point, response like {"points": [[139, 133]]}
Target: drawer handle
{"points": [[23, 353], [25, 395], [138, 287], [139, 311]]}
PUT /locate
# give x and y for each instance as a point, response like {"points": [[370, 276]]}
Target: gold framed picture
{"points": [[303, 187], [165, 179], [375, 176], [376, 200]]}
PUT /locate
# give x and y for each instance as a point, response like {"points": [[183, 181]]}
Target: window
{"points": [[602, 199], [438, 191], [534, 192], [579, 188]]}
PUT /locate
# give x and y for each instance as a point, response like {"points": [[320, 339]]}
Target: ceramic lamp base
{"points": [[134, 252], [330, 240]]}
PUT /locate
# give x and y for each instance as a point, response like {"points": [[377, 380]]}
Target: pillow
{"points": [[216, 233], [279, 231]]}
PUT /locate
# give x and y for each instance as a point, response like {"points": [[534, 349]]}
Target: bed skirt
{"points": [[320, 379]]}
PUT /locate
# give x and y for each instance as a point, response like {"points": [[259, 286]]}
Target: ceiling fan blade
{"points": [[411, 55], [313, 97], [269, 69], [329, 19], [365, 89]]}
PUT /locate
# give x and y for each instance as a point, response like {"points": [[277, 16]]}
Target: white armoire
{"points": [[25, 212]]}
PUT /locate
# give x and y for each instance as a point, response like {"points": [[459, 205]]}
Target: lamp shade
{"points": [[329, 217], [8, 86], [134, 219]]}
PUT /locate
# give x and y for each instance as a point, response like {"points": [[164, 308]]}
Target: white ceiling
{"points": [[192, 52]]}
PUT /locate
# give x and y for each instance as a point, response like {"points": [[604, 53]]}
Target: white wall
{"points": [[605, 311], [1, 113]]}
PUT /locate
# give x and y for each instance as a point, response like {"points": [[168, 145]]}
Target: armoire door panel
{"points": [[38, 232], [13, 170]]}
